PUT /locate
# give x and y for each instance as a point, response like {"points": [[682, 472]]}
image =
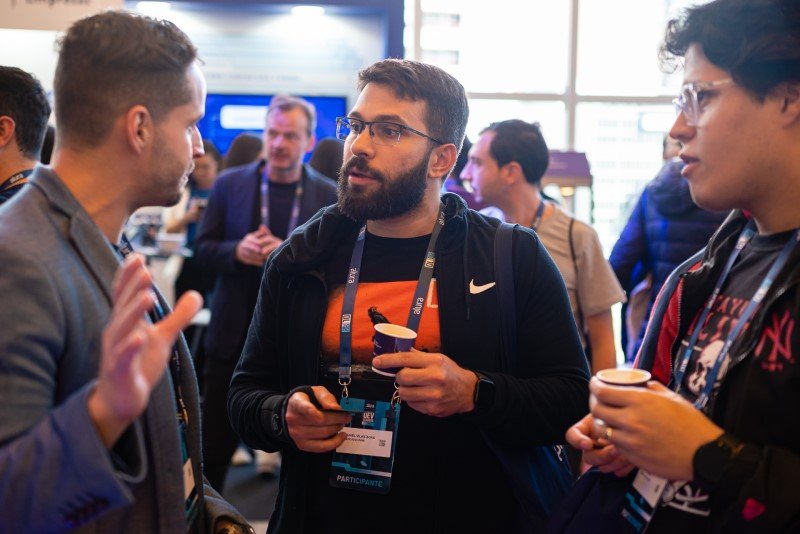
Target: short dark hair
{"points": [[523, 142], [211, 149], [245, 148], [461, 161], [757, 41], [447, 108], [112, 61], [23, 99], [286, 102]]}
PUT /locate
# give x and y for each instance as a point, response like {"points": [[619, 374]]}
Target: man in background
{"points": [[24, 111], [505, 167], [251, 210]]}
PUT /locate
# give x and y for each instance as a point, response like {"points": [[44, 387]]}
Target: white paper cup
{"points": [[621, 378]]}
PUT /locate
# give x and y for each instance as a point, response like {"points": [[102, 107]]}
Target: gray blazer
{"points": [[56, 269]]}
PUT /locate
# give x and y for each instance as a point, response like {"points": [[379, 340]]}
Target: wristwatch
{"points": [[711, 459], [483, 397]]}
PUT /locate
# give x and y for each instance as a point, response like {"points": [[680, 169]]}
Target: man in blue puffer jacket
{"points": [[664, 229]]}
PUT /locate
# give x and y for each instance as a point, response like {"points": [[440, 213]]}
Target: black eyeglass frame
{"points": [[341, 120]]}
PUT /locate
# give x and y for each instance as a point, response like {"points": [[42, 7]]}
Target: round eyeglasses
{"points": [[691, 100], [381, 132]]}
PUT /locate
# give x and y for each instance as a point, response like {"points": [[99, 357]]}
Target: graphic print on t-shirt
{"points": [[773, 351], [391, 300], [725, 312]]}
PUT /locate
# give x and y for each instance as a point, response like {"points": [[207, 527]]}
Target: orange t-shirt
{"points": [[393, 300]]}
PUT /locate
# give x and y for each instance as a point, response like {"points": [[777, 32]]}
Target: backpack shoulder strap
{"points": [[504, 278], [579, 318]]}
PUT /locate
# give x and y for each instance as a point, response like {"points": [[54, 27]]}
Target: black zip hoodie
{"points": [[283, 346]]}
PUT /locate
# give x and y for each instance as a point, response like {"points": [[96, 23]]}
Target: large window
{"points": [[586, 70], [549, 115]]}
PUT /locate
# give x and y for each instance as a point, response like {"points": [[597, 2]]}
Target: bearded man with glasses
{"points": [[394, 250], [719, 449]]}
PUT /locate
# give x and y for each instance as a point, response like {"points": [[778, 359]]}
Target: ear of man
{"points": [[512, 173], [7, 130], [789, 93], [312, 141], [442, 159], [139, 128]]}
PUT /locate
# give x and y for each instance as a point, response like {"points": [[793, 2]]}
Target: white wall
{"points": [[245, 52]]}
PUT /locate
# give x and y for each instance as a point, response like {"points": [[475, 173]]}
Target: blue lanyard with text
{"points": [[191, 505], [14, 178], [158, 313], [349, 299], [294, 217], [537, 220], [745, 237]]}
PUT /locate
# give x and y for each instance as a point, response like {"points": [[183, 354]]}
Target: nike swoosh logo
{"points": [[479, 289]]}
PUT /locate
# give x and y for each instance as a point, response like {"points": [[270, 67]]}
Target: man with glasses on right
{"points": [[719, 449]]}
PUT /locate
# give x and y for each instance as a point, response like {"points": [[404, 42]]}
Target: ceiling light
{"points": [[308, 11]]}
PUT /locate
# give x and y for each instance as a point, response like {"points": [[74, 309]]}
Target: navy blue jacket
{"points": [[230, 215], [665, 228]]}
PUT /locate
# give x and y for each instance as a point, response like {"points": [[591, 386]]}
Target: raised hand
{"points": [[135, 352]]}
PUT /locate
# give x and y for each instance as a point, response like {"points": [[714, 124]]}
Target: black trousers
{"points": [[219, 438]]}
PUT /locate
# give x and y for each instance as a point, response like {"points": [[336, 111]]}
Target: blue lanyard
{"points": [[745, 237], [295, 216], [349, 299], [190, 506], [537, 220], [125, 248]]}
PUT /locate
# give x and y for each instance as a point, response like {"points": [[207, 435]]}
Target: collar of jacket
{"points": [[699, 283], [89, 241]]}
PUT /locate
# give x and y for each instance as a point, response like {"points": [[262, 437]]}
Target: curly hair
{"points": [[757, 41]]}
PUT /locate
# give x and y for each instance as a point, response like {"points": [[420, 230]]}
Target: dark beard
{"points": [[393, 197]]}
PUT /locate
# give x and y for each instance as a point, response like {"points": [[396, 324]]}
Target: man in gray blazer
{"points": [[94, 434]]}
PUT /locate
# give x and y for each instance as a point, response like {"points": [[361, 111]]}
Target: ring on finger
{"points": [[608, 433]]}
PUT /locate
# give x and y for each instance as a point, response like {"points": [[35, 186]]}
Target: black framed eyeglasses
{"points": [[381, 132]]}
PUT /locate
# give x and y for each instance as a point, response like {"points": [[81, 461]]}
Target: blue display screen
{"points": [[229, 115]]}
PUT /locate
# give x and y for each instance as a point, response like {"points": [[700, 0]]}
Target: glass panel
{"points": [[617, 57], [623, 144], [550, 116], [33, 51], [500, 46]]}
